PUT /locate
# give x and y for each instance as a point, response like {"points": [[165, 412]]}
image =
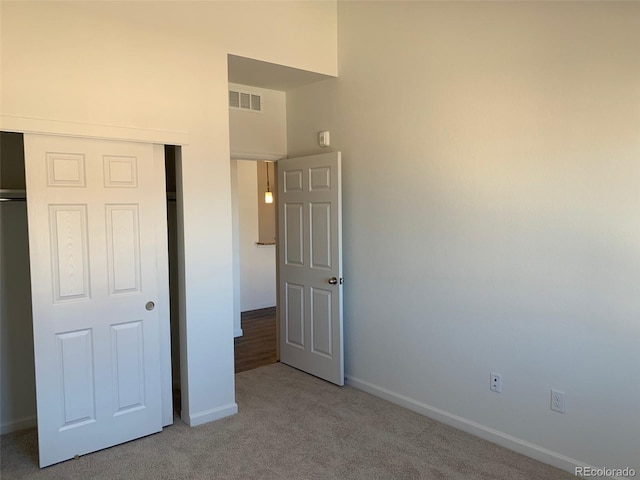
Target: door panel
{"points": [[70, 252], [321, 322], [123, 249], [127, 354], [320, 218], [75, 351], [294, 315], [310, 228], [92, 206], [294, 244]]}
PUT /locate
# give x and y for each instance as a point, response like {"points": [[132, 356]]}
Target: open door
{"points": [[310, 265], [92, 215]]}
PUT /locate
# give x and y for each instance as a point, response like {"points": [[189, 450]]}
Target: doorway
{"points": [[254, 264]]}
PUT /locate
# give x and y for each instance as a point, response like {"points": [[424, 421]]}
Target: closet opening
{"points": [[17, 367], [172, 155]]}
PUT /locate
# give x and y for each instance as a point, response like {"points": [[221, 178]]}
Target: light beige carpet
{"points": [[291, 426]]}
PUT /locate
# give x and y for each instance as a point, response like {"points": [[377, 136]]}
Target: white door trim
{"points": [[10, 123], [260, 157]]}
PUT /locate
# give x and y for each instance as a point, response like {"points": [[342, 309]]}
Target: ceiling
{"points": [[256, 73]]}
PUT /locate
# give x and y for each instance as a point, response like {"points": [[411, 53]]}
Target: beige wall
{"points": [[491, 196], [163, 66]]}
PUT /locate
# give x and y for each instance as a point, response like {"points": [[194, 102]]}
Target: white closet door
{"points": [[92, 208]]}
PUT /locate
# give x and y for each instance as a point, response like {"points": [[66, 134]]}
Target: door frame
{"points": [[23, 125], [258, 157]]}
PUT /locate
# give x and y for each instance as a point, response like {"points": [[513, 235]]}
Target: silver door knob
{"points": [[333, 281], [150, 306]]}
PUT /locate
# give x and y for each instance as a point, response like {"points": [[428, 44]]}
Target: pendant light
{"points": [[268, 196]]}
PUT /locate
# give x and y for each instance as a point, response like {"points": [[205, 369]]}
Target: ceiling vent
{"points": [[245, 101]]}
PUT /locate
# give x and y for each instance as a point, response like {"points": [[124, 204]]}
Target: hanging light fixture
{"points": [[268, 196]]}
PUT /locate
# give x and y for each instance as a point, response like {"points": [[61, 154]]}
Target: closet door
{"points": [[92, 211]]}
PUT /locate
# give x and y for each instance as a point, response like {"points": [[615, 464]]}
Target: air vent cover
{"points": [[234, 99], [245, 101], [256, 103]]}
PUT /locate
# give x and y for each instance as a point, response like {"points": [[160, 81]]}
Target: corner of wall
{"points": [[206, 416]]}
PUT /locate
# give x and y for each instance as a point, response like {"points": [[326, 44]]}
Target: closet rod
{"points": [[10, 195]]}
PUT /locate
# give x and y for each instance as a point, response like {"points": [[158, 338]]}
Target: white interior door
{"points": [[310, 265], [92, 210]]}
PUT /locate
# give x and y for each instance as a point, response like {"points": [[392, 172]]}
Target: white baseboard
{"points": [[237, 333], [211, 415], [18, 424], [504, 440], [193, 420]]}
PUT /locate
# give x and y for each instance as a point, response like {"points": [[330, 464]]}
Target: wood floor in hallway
{"points": [[257, 346]]}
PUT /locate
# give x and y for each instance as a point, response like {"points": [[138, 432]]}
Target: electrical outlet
{"points": [[495, 382], [557, 401]]}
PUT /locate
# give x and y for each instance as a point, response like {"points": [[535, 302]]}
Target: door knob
{"points": [[150, 306], [333, 281]]}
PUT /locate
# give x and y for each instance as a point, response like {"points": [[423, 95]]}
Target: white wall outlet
{"points": [[495, 382], [557, 401]]}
